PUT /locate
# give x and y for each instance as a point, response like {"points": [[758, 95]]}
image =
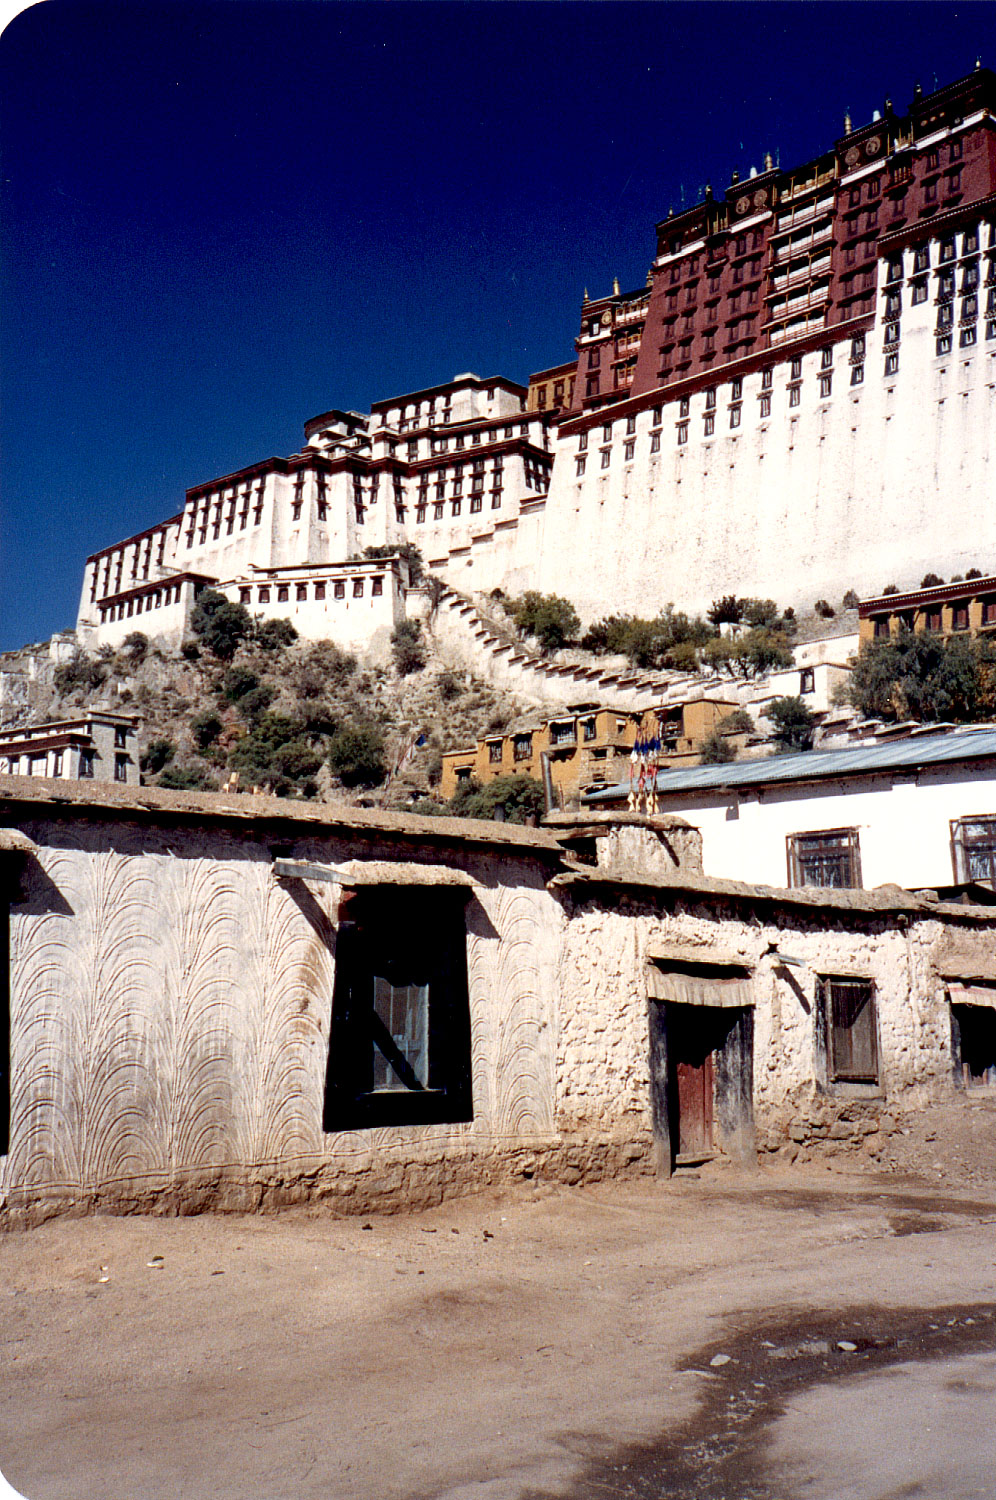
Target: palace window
{"points": [[606, 457], [947, 246], [921, 258], [85, 771], [579, 467], [826, 859], [437, 511], [582, 442], [848, 1023], [796, 369], [967, 338], [630, 425], [710, 399], [943, 345], [283, 594], [891, 364], [857, 374], [682, 432], [710, 423], [735, 416], [302, 591], [794, 395], [264, 596], [683, 406], [494, 752], [919, 292], [399, 1046], [766, 404], [655, 442], [357, 588], [419, 514], [377, 586], [826, 385], [522, 747]]}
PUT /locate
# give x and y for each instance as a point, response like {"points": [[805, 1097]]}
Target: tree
{"points": [[930, 581], [273, 635], [520, 798], [407, 647], [157, 753], [716, 750], [850, 600], [794, 724], [356, 755], [552, 620], [220, 625], [916, 675], [253, 705], [749, 655], [729, 610]]}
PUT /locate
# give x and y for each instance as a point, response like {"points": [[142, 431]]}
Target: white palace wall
{"points": [[873, 484]]}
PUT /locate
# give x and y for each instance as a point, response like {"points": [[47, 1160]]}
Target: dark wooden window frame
{"points": [[410, 936], [836, 993], [848, 846]]}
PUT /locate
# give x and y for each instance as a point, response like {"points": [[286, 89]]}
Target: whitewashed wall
{"points": [[170, 1009], [875, 484], [903, 822]]}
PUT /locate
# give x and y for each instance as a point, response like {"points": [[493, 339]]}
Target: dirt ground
{"points": [[630, 1339]]}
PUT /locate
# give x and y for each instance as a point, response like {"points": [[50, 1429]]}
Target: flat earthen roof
{"points": [[25, 796]]}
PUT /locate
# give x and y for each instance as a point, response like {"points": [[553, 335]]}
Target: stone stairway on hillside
{"points": [[465, 638]]}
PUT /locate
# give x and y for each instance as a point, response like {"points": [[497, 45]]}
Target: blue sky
{"points": [[221, 219]]}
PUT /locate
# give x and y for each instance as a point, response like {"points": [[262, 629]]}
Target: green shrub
{"points": [[80, 671], [322, 666], [157, 753], [407, 647], [749, 655], [715, 750], [521, 798], [407, 550], [135, 646], [356, 755], [237, 682], [274, 635], [253, 705], [205, 729], [552, 620], [187, 779], [729, 610], [738, 722]]}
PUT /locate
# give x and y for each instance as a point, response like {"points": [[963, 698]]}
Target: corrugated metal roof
{"points": [[820, 765]]}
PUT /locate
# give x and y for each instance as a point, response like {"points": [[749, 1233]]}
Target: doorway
{"points": [[973, 1046], [702, 1082]]}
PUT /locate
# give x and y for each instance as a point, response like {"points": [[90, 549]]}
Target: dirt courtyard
{"points": [[628, 1339]]}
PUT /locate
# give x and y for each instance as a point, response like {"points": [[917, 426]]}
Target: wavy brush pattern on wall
{"points": [[170, 1019], [512, 1054]]}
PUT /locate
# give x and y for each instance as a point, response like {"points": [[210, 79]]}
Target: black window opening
{"points": [[973, 1045], [399, 1043], [847, 1011]]}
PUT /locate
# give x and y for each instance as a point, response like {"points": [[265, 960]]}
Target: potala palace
{"points": [[800, 400]]}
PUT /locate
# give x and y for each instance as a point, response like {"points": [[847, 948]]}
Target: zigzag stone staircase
{"points": [[464, 638]]}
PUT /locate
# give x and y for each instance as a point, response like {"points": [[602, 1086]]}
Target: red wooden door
{"points": [[695, 1095]]}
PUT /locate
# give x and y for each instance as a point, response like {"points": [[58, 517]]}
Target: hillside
{"points": [[300, 718]]}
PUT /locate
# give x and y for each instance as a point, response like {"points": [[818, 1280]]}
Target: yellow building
{"points": [[964, 608], [587, 746]]}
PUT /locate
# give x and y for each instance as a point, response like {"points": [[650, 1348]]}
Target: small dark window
{"points": [[86, 765], [848, 1007], [120, 738], [283, 594], [399, 1043], [959, 617], [807, 680], [522, 746], [494, 752], [121, 768]]}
